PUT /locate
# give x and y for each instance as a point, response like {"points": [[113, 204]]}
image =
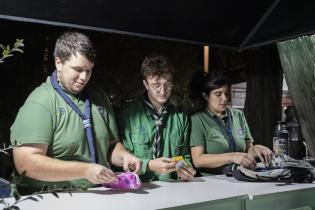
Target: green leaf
{"points": [[16, 195], [32, 198], [12, 208], [1, 149], [45, 188], [7, 51], [4, 52], [17, 50], [55, 194], [19, 43], [40, 196], [8, 55]]}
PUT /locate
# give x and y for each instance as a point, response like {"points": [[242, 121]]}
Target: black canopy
{"points": [[238, 24]]}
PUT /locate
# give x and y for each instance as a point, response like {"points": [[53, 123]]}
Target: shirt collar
{"points": [[224, 116], [147, 109], [77, 96]]}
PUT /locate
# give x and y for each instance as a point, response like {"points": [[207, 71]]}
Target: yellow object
{"points": [[180, 162]]}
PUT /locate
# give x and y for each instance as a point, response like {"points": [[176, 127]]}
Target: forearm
{"points": [[45, 168], [213, 160], [118, 154]]}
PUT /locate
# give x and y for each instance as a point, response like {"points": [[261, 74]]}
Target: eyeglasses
{"points": [[158, 86]]}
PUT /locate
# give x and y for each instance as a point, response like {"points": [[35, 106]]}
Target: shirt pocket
{"points": [[141, 145]]}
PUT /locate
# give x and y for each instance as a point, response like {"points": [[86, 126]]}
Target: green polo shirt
{"points": [[46, 118], [206, 132], [137, 129]]}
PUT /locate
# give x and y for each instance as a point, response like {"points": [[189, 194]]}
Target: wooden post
{"points": [[297, 59], [206, 58]]}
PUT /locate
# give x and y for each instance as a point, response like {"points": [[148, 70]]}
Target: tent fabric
{"points": [[227, 24]]}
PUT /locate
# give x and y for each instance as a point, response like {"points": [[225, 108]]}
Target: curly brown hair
{"points": [[156, 65]]}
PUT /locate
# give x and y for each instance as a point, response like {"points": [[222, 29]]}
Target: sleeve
{"points": [[187, 132], [124, 133], [125, 136], [144, 167], [33, 124], [197, 135], [248, 135]]}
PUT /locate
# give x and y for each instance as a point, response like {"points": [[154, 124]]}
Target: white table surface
{"points": [[156, 195]]}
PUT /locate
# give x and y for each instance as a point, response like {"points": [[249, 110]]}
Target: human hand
{"points": [[262, 152], [186, 173], [162, 165], [98, 174], [133, 163], [244, 159]]}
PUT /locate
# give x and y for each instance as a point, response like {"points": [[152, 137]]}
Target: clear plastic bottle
{"points": [[280, 140]]}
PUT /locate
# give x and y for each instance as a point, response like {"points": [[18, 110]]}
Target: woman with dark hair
{"points": [[219, 134]]}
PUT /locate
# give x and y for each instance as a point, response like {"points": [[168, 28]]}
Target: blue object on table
{"points": [[5, 188]]}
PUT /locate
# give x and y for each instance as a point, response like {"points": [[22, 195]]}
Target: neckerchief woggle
{"points": [[227, 128], [84, 116]]}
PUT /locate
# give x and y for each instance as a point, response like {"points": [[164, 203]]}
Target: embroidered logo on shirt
{"points": [[141, 129], [241, 132], [102, 111]]}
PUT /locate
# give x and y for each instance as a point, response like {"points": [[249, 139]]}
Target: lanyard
{"points": [[86, 116], [227, 128]]}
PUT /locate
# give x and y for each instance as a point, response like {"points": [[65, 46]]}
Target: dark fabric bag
{"points": [[298, 171]]}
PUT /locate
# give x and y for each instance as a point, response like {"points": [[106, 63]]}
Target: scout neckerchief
{"points": [[86, 117], [159, 119], [227, 127]]}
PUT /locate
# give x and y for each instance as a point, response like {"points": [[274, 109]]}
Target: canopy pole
{"points": [[260, 22]]}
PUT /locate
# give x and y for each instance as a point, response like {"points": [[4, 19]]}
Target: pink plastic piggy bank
{"points": [[126, 180]]}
